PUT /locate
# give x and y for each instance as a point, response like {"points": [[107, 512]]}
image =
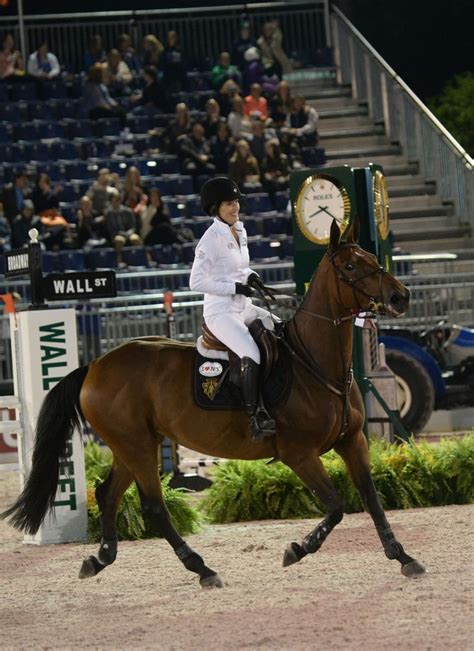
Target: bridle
{"points": [[300, 352]]}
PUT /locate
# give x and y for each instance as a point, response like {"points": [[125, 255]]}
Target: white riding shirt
{"points": [[219, 263]]}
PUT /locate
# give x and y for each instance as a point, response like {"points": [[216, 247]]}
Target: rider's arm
{"points": [[201, 279]]}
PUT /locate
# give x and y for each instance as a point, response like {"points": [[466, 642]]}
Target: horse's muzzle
{"points": [[399, 301]]}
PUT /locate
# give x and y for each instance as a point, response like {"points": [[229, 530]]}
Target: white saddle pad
{"points": [[209, 353]]}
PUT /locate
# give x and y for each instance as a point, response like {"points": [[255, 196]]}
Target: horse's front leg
{"points": [[355, 452], [310, 469]]}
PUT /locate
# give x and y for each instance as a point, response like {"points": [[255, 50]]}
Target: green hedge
{"points": [[130, 523], [405, 476]]}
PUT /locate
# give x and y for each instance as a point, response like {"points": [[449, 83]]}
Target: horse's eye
{"points": [[350, 266]]}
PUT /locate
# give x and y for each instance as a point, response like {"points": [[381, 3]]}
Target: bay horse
{"points": [[141, 391]]}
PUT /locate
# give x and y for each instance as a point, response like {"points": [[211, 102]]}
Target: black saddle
{"points": [[216, 381]]}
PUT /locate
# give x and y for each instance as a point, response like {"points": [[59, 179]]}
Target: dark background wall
{"points": [[426, 41]]}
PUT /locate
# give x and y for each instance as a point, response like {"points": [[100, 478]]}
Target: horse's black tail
{"points": [[59, 415]]}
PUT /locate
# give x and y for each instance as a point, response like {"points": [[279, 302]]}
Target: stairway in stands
{"points": [[420, 221]]}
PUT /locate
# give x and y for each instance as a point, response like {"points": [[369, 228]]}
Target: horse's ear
{"points": [[335, 236], [352, 236]]}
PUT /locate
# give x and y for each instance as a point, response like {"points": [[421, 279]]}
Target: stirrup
{"points": [[262, 425]]}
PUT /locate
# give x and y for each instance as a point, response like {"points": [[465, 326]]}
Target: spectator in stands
{"points": [[152, 98], [224, 71], [134, 195], [178, 128], [221, 148], [213, 118], [239, 123], [100, 191], [152, 48], [44, 197], [5, 232], [97, 102], [227, 93], [274, 168], [242, 44], [14, 195], [11, 62], [120, 74], [57, 232], [259, 138], [95, 52], [90, 229], [173, 65], [23, 223], [253, 70], [195, 152], [129, 56], [43, 64], [280, 104], [273, 56], [156, 226], [290, 148], [120, 226], [243, 166], [256, 106], [302, 123]]}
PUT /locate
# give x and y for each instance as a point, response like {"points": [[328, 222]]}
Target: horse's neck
{"points": [[329, 345]]}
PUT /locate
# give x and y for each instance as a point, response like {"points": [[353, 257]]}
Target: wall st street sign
{"points": [[79, 285]]}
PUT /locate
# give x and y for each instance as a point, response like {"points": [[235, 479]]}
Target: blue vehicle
{"points": [[434, 370]]}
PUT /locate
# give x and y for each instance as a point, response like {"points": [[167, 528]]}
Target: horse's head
{"points": [[362, 284]]}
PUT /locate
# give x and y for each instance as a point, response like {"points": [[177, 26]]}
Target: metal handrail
{"points": [[390, 71]]}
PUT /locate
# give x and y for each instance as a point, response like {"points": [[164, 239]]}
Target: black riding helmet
{"points": [[217, 190]]}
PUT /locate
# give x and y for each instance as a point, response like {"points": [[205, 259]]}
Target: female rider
{"points": [[221, 271]]}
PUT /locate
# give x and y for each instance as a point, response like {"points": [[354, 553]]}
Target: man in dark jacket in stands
{"points": [[152, 98], [23, 223], [195, 152], [121, 225], [14, 195]]}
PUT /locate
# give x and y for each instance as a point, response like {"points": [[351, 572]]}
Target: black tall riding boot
{"points": [[261, 423]]}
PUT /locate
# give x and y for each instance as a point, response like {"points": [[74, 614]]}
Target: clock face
{"points": [[321, 199], [381, 204]]}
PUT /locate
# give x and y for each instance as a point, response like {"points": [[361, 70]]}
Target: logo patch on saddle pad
{"points": [[211, 369], [210, 388]]}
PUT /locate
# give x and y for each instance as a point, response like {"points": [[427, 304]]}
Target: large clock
{"points": [[381, 204], [320, 199]]}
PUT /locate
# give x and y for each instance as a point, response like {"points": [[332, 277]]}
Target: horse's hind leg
{"points": [[311, 470], [153, 507], [108, 496], [355, 453]]}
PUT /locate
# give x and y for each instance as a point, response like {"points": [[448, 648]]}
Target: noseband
{"points": [[375, 303]]}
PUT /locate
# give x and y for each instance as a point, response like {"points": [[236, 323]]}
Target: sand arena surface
{"points": [[346, 596]]}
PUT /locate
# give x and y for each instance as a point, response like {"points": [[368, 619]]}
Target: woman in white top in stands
{"points": [[221, 271], [43, 64]]}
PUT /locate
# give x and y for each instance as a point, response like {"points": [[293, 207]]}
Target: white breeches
{"points": [[231, 329]]}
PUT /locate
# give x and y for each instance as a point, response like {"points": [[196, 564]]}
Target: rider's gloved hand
{"points": [[255, 281], [244, 290]]}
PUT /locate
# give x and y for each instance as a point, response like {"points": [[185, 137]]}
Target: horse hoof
{"points": [[213, 581], [293, 554], [90, 567], [413, 569]]}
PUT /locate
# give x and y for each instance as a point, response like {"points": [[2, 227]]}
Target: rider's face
{"points": [[229, 211]]}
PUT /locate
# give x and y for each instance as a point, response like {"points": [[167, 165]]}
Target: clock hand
{"points": [[331, 215], [321, 208]]}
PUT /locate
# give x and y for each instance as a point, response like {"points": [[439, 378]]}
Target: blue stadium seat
{"points": [[4, 135], [42, 111], [73, 260], [102, 259], [257, 203], [81, 129], [167, 164], [35, 151], [69, 193], [10, 169], [135, 256], [167, 254], [187, 250], [9, 154], [3, 265], [3, 92], [281, 201], [313, 156], [172, 205], [49, 261], [287, 250], [69, 211], [78, 170], [23, 91], [276, 226], [27, 131], [139, 123], [95, 148], [54, 89], [183, 185], [262, 250], [67, 109], [198, 226], [53, 170], [164, 185], [63, 151], [251, 226], [198, 80], [193, 206], [108, 127], [48, 130], [10, 113]]}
